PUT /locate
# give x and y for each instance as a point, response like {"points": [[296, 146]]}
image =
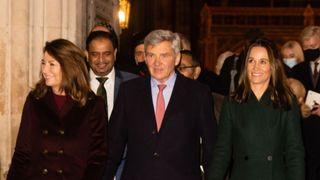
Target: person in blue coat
{"points": [[259, 135]]}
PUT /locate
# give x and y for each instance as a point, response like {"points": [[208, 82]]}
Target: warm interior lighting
{"points": [[124, 13]]}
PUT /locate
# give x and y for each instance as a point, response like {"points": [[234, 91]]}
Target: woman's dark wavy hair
{"points": [[75, 77], [281, 95]]}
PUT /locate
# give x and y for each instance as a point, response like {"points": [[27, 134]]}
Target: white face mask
{"points": [[290, 62]]}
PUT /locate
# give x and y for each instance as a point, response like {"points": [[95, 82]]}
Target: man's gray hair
{"points": [[157, 36], [310, 31]]}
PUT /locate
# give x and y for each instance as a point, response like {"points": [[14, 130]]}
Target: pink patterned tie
{"points": [[160, 106]]}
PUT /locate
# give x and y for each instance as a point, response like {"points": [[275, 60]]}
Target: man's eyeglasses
{"points": [[182, 68]]}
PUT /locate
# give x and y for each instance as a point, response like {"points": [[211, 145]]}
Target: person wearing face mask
{"points": [[307, 73], [140, 67], [292, 53], [290, 62]]}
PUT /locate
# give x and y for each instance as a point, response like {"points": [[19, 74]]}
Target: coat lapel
{"points": [[308, 74], [48, 102], [147, 101], [178, 93], [117, 82]]}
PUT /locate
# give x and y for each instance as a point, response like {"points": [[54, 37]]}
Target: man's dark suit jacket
{"points": [[174, 152], [311, 125], [302, 72], [121, 76]]}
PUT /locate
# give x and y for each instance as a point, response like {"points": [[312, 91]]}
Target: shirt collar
{"points": [[110, 76], [170, 82]]}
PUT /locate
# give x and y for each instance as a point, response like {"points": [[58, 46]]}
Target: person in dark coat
{"points": [[307, 72], [161, 127], [101, 52], [62, 133], [259, 129]]}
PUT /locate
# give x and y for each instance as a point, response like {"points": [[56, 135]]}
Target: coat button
{"points": [[61, 132], [154, 132], [269, 158], [246, 158], [45, 132], [59, 171], [45, 171], [60, 151], [45, 151], [155, 154]]}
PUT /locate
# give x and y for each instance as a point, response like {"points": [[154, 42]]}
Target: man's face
{"points": [[101, 56], [311, 43], [186, 67], [139, 53], [161, 60]]}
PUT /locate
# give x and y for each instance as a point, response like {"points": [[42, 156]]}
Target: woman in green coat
{"points": [[259, 135]]}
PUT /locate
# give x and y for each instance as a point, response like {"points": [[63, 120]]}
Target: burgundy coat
{"points": [[69, 144]]}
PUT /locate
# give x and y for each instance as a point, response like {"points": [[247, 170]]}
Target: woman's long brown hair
{"points": [[75, 77], [281, 95]]}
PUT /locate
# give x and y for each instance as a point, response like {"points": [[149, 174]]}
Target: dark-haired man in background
{"points": [[101, 53]]}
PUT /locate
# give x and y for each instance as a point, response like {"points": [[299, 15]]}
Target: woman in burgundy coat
{"points": [[63, 127]]}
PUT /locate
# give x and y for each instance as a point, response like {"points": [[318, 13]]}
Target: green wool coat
{"points": [[258, 142]]}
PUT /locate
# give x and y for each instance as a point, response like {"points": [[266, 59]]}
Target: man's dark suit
{"points": [[310, 125], [120, 77], [174, 152], [302, 72]]}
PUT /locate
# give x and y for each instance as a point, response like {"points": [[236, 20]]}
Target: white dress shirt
{"points": [[166, 92], [108, 85]]}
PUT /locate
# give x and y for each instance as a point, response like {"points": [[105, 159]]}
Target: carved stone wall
{"points": [[103, 10], [25, 26], [228, 28]]}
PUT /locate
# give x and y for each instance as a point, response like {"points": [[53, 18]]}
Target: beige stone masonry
{"points": [[25, 26]]}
